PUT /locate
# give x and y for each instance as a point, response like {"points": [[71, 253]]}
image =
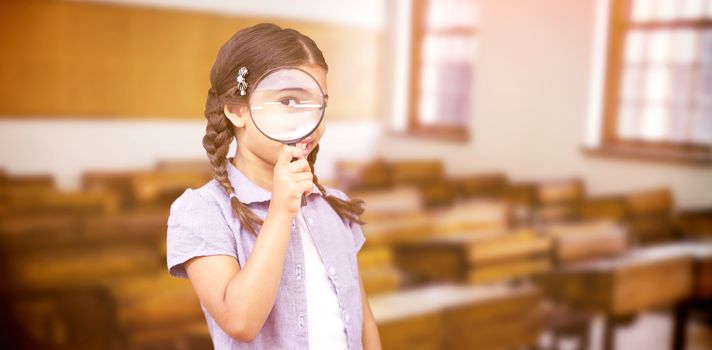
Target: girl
{"points": [[269, 273]]}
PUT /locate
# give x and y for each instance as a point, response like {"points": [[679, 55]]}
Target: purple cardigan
{"points": [[201, 223]]}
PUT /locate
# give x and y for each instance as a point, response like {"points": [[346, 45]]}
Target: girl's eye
{"points": [[288, 101]]}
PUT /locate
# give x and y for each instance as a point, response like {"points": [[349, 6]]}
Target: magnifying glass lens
{"points": [[287, 105]]}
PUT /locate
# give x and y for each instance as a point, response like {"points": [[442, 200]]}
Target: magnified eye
{"points": [[288, 101]]}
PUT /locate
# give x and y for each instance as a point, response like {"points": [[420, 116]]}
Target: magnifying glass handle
{"points": [[304, 198]]}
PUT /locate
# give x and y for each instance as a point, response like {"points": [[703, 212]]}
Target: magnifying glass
{"points": [[287, 105]]}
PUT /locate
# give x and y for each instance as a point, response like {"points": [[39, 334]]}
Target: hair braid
{"points": [[217, 139], [351, 209]]}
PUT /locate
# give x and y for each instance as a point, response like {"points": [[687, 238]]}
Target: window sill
{"points": [[703, 159]]}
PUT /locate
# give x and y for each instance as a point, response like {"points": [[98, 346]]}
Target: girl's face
{"points": [[254, 142]]}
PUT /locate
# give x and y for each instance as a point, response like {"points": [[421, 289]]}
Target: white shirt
{"points": [[326, 328]]}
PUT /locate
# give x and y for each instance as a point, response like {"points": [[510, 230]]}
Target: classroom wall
{"points": [[533, 86], [532, 100], [66, 148], [116, 136], [103, 60]]}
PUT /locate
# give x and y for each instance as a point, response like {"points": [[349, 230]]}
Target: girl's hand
{"points": [[291, 181]]}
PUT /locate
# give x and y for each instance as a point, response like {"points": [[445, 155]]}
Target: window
{"points": [[658, 89], [442, 68]]}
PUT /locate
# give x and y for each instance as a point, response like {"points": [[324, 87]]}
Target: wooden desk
{"points": [[46, 272], [378, 270], [57, 296], [476, 257], [623, 286], [156, 310], [584, 241], [452, 316], [701, 254], [471, 215]]}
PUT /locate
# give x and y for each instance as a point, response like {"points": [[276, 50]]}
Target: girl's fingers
{"points": [[298, 165], [301, 176], [287, 153], [306, 186]]}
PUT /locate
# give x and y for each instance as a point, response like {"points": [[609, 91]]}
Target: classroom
{"points": [[529, 174]]}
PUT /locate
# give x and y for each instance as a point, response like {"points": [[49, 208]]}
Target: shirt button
{"points": [[301, 321], [293, 225], [332, 270], [299, 272], [310, 221]]}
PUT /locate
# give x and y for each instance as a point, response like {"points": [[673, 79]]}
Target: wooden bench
{"points": [[521, 197], [141, 227], [18, 203], [695, 223], [429, 177], [394, 215], [144, 188], [471, 215], [492, 186], [114, 182], [363, 175], [612, 208], [27, 182], [559, 200], [416, 171], [33, 232], [582, 241], [651, 216], [152, 189], [78, 266]]}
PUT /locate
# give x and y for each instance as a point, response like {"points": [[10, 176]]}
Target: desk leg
{"points": [[679, 327], [609, 333]]}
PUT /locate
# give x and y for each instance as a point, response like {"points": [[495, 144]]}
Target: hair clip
{"points": [[233, 195], [241, 82]]}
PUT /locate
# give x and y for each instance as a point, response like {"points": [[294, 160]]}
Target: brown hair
{"points": [[260, 48]]}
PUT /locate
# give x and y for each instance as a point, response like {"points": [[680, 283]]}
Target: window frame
{"points": [[610, 144], [413, 125]]}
